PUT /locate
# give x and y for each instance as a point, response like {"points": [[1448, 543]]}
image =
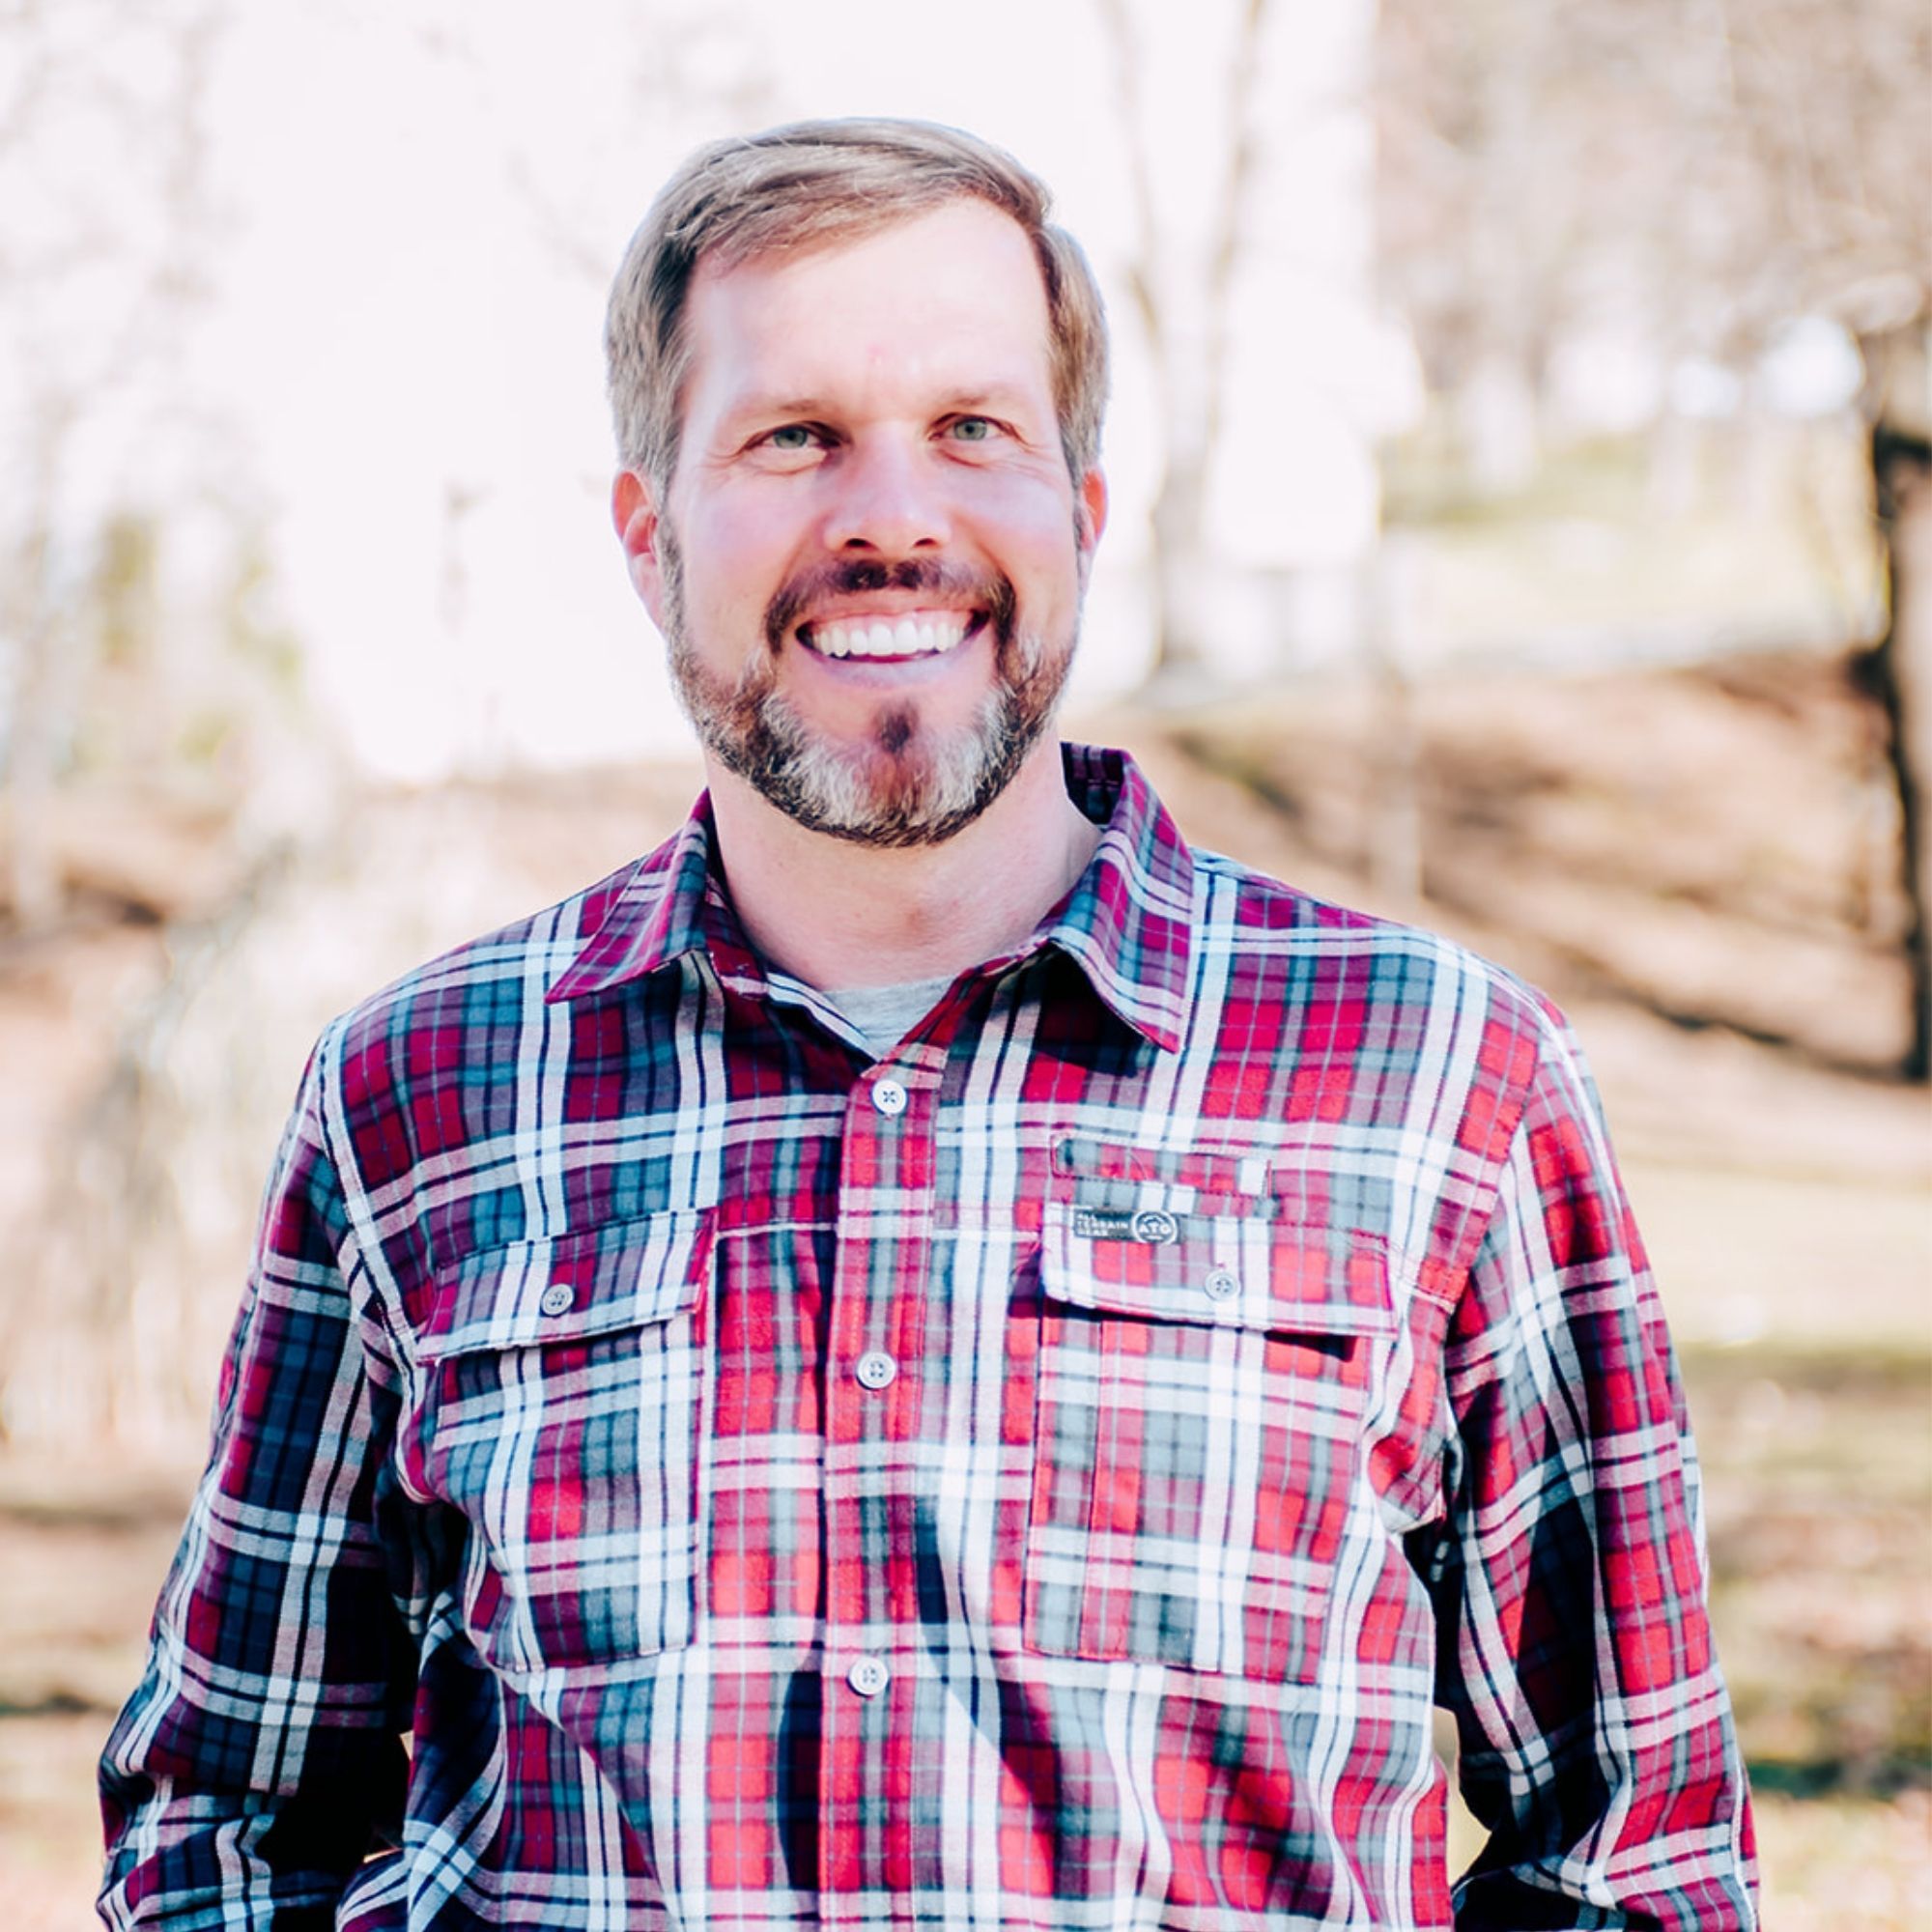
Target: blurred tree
{"points": [[1700, 175], [102, 151], [1182, 286], [150, 683]]}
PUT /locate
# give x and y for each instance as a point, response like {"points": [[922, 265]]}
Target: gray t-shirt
{"points": [[885, 1014]]}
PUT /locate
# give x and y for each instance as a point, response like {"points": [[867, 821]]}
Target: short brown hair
{"points": [[810, 184]]}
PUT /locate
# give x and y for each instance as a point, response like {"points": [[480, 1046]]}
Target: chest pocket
{"points": [[1201, 1384], [562, 1407]]}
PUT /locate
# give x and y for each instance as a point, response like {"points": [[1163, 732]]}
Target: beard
{"points": [[904, 783]]}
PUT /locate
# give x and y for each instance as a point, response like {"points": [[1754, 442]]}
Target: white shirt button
{"points": [[888, 1098], [1220, 1284], [868, 1676], [876, 1369], [557, 1299]]}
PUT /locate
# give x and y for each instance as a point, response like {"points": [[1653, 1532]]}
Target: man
{"points": [[926, 1355]]}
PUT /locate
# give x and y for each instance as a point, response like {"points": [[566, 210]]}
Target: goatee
{"points": [[905, 782]]}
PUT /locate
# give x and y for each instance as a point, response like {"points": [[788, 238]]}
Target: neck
{"points": [[838, 914]]}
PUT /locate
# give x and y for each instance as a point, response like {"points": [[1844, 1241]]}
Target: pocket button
{"points": [[1221, 1284], [868, 1676], [557, 1297]]}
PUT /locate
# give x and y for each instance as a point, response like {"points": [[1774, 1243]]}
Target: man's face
{"points": [[869, 561]]}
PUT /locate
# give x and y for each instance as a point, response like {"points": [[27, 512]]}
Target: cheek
{"points": [[1028, 523], [735, 554]]}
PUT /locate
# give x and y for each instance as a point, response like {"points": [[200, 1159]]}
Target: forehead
{"points": [[952, 295]]}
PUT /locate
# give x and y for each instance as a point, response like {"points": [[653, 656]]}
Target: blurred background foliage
{"points": [[1523, 525]]}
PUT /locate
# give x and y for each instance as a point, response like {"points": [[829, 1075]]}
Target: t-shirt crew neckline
{"points": [[884, 1015]]}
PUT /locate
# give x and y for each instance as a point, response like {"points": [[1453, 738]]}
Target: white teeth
{"points": [[880, 637]]}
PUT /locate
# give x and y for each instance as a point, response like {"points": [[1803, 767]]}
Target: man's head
{"points": [[816, 185], [857, 382]]}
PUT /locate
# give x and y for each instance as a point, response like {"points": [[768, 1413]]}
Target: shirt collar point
{"points": [[653, 918], [1128, 924]]}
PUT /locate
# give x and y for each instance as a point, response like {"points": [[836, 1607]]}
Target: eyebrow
{"points": [[968, 402], [777, 407]]}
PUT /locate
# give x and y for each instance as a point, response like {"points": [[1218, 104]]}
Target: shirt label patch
{"points": [[1149, 1226]]}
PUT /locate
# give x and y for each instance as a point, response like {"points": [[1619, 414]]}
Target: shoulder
{"points": [[1333, 1020], [466, 983], [433, 1062], [1327, 946]]}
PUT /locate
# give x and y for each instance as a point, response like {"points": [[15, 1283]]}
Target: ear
{"points": [[1091, 517], [633, 513]]}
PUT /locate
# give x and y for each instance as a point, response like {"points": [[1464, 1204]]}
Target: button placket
{"points": [[872, 1397]]}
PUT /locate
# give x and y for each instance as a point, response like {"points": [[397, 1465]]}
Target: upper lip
{"points": [[882, 610]]}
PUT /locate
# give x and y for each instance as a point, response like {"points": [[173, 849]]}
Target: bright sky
{"points": [[419, 207]]}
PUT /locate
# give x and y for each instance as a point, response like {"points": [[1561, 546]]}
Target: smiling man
{"points": [[926, 1355], [863, 531], [872, 606]]}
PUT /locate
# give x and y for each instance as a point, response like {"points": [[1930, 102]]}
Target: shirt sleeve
{"points": [[260, 1759], [1597, 1745]]}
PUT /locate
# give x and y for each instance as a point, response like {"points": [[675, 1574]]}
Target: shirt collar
{"points": [[1127, 923]]}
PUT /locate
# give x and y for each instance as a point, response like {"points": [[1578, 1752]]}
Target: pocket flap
{"points": [[1235, 1270], [565, 1286]]}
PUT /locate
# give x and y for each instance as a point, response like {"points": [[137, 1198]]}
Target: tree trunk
{"points": [[1394, 770], [1193, 397], [30, 647], [1902, 480]]}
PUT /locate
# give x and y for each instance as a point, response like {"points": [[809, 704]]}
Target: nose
{"points": [[887, 498]]}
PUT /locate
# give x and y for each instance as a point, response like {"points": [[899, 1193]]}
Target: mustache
{"points": [[989, 590]]}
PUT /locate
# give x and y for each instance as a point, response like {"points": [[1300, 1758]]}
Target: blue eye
{"points": [[793, 436], [972, 429]]}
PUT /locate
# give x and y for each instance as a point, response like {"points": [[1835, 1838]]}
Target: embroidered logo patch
{"points": [[1149, 1226]]}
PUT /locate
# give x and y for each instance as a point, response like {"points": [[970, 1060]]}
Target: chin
{"points": [[902, 786], [905, 782]]}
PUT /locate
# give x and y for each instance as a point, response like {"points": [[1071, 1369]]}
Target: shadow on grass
{"points": [[1818, 1485], [1838, 1777]]}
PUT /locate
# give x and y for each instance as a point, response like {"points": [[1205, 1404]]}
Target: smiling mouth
{"points": [[918, 634]]}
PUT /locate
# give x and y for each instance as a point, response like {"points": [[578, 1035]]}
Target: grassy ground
{"points": [[1820, 1469], [83, 1555]]}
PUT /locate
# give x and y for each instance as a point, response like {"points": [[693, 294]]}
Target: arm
{"points": [[260, 1759], [1597, 1744]]}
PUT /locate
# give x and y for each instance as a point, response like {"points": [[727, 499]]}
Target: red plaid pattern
{"points": [[1045, 1479]]}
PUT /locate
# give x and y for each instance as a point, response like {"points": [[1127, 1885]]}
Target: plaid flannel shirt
{"points": [[1046, 1478]]}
